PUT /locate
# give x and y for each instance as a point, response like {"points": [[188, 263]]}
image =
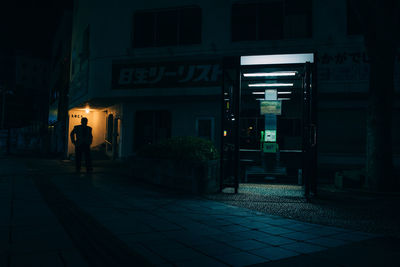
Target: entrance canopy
{"points": [[276, 59]]}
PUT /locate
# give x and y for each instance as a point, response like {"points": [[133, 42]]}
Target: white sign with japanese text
{"points": [[166, 75]]}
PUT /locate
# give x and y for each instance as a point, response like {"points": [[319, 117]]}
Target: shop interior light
{"points": [[279, 93], [263, 99], [270, 84], [271, 74], [87, 110]]}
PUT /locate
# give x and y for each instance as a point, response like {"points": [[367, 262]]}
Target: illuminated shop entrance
{"points": [[269, 124]]}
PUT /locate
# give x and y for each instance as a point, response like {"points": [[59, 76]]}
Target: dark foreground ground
{"points": [[54, 217]]}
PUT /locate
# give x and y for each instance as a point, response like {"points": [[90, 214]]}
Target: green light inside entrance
{"points": [[270, 136]]}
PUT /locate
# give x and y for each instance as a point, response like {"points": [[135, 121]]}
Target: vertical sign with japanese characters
{"points": [[165, 74]]}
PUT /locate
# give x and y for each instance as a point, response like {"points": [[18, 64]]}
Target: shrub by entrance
{"points": [[187, 163]]}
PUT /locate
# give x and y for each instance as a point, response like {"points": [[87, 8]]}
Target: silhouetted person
{"points": [[81, 137]]}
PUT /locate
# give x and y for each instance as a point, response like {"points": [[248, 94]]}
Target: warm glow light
{"points": [[271, 74], [269, 84]]}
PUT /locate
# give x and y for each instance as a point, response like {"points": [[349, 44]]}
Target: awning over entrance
{"points": [[276, 59]]}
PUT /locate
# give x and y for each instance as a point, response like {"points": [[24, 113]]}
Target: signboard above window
{"points": [[271, 107], [166, 75]]}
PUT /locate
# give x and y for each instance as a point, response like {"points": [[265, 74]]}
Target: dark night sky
{"points": [[29, 25]]}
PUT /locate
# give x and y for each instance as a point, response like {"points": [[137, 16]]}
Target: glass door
{"points": [[269, 121], [271, 142]]}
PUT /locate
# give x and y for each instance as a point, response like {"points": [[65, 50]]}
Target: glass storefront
{"points": [[269, 122]]}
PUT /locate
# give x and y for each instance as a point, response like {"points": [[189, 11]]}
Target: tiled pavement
{"points": [[192, 231], [164, 228]]}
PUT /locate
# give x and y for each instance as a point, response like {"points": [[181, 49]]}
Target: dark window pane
{"points": [[167, 28], [151, 127], [190, 26], [144, 128], [270, 25], [354, 26], [244, 22], [205, 128], [297, 7], [162, 125], [298, 19], [144, 28]]}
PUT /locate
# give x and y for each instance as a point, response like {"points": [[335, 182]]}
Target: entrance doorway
{"points": [[269, 123]]}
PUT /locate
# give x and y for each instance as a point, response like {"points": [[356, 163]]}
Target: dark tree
{"points": [[380, 22]]}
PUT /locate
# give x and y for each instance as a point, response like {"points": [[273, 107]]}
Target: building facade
{"points": [[59, 84], [145, 71]]}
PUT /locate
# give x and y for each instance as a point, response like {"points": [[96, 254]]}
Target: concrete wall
{"points": [[183, 115]]}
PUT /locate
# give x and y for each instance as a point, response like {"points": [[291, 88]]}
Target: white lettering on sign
{"points": [[156, 74], [181, 74], [141, 75], [125, 76]]}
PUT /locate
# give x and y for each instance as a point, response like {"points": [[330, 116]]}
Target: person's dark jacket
{"points": [[81, 135]]}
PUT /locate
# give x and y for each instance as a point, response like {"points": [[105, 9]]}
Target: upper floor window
{"points": [[354, 26], [167, 27], [271, 20]]}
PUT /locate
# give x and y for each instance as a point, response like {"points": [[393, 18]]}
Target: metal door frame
{"points": [[231, 118]]}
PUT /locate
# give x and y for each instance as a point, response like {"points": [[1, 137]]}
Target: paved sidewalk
{"points": [[30, 234], [117, 220], [169, 229]]}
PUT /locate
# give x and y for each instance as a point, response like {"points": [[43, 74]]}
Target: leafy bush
{"points": [[181, 148]]}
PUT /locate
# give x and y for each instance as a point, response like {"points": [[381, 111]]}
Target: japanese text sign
{"points": [[165, 75], [271, 107]]}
